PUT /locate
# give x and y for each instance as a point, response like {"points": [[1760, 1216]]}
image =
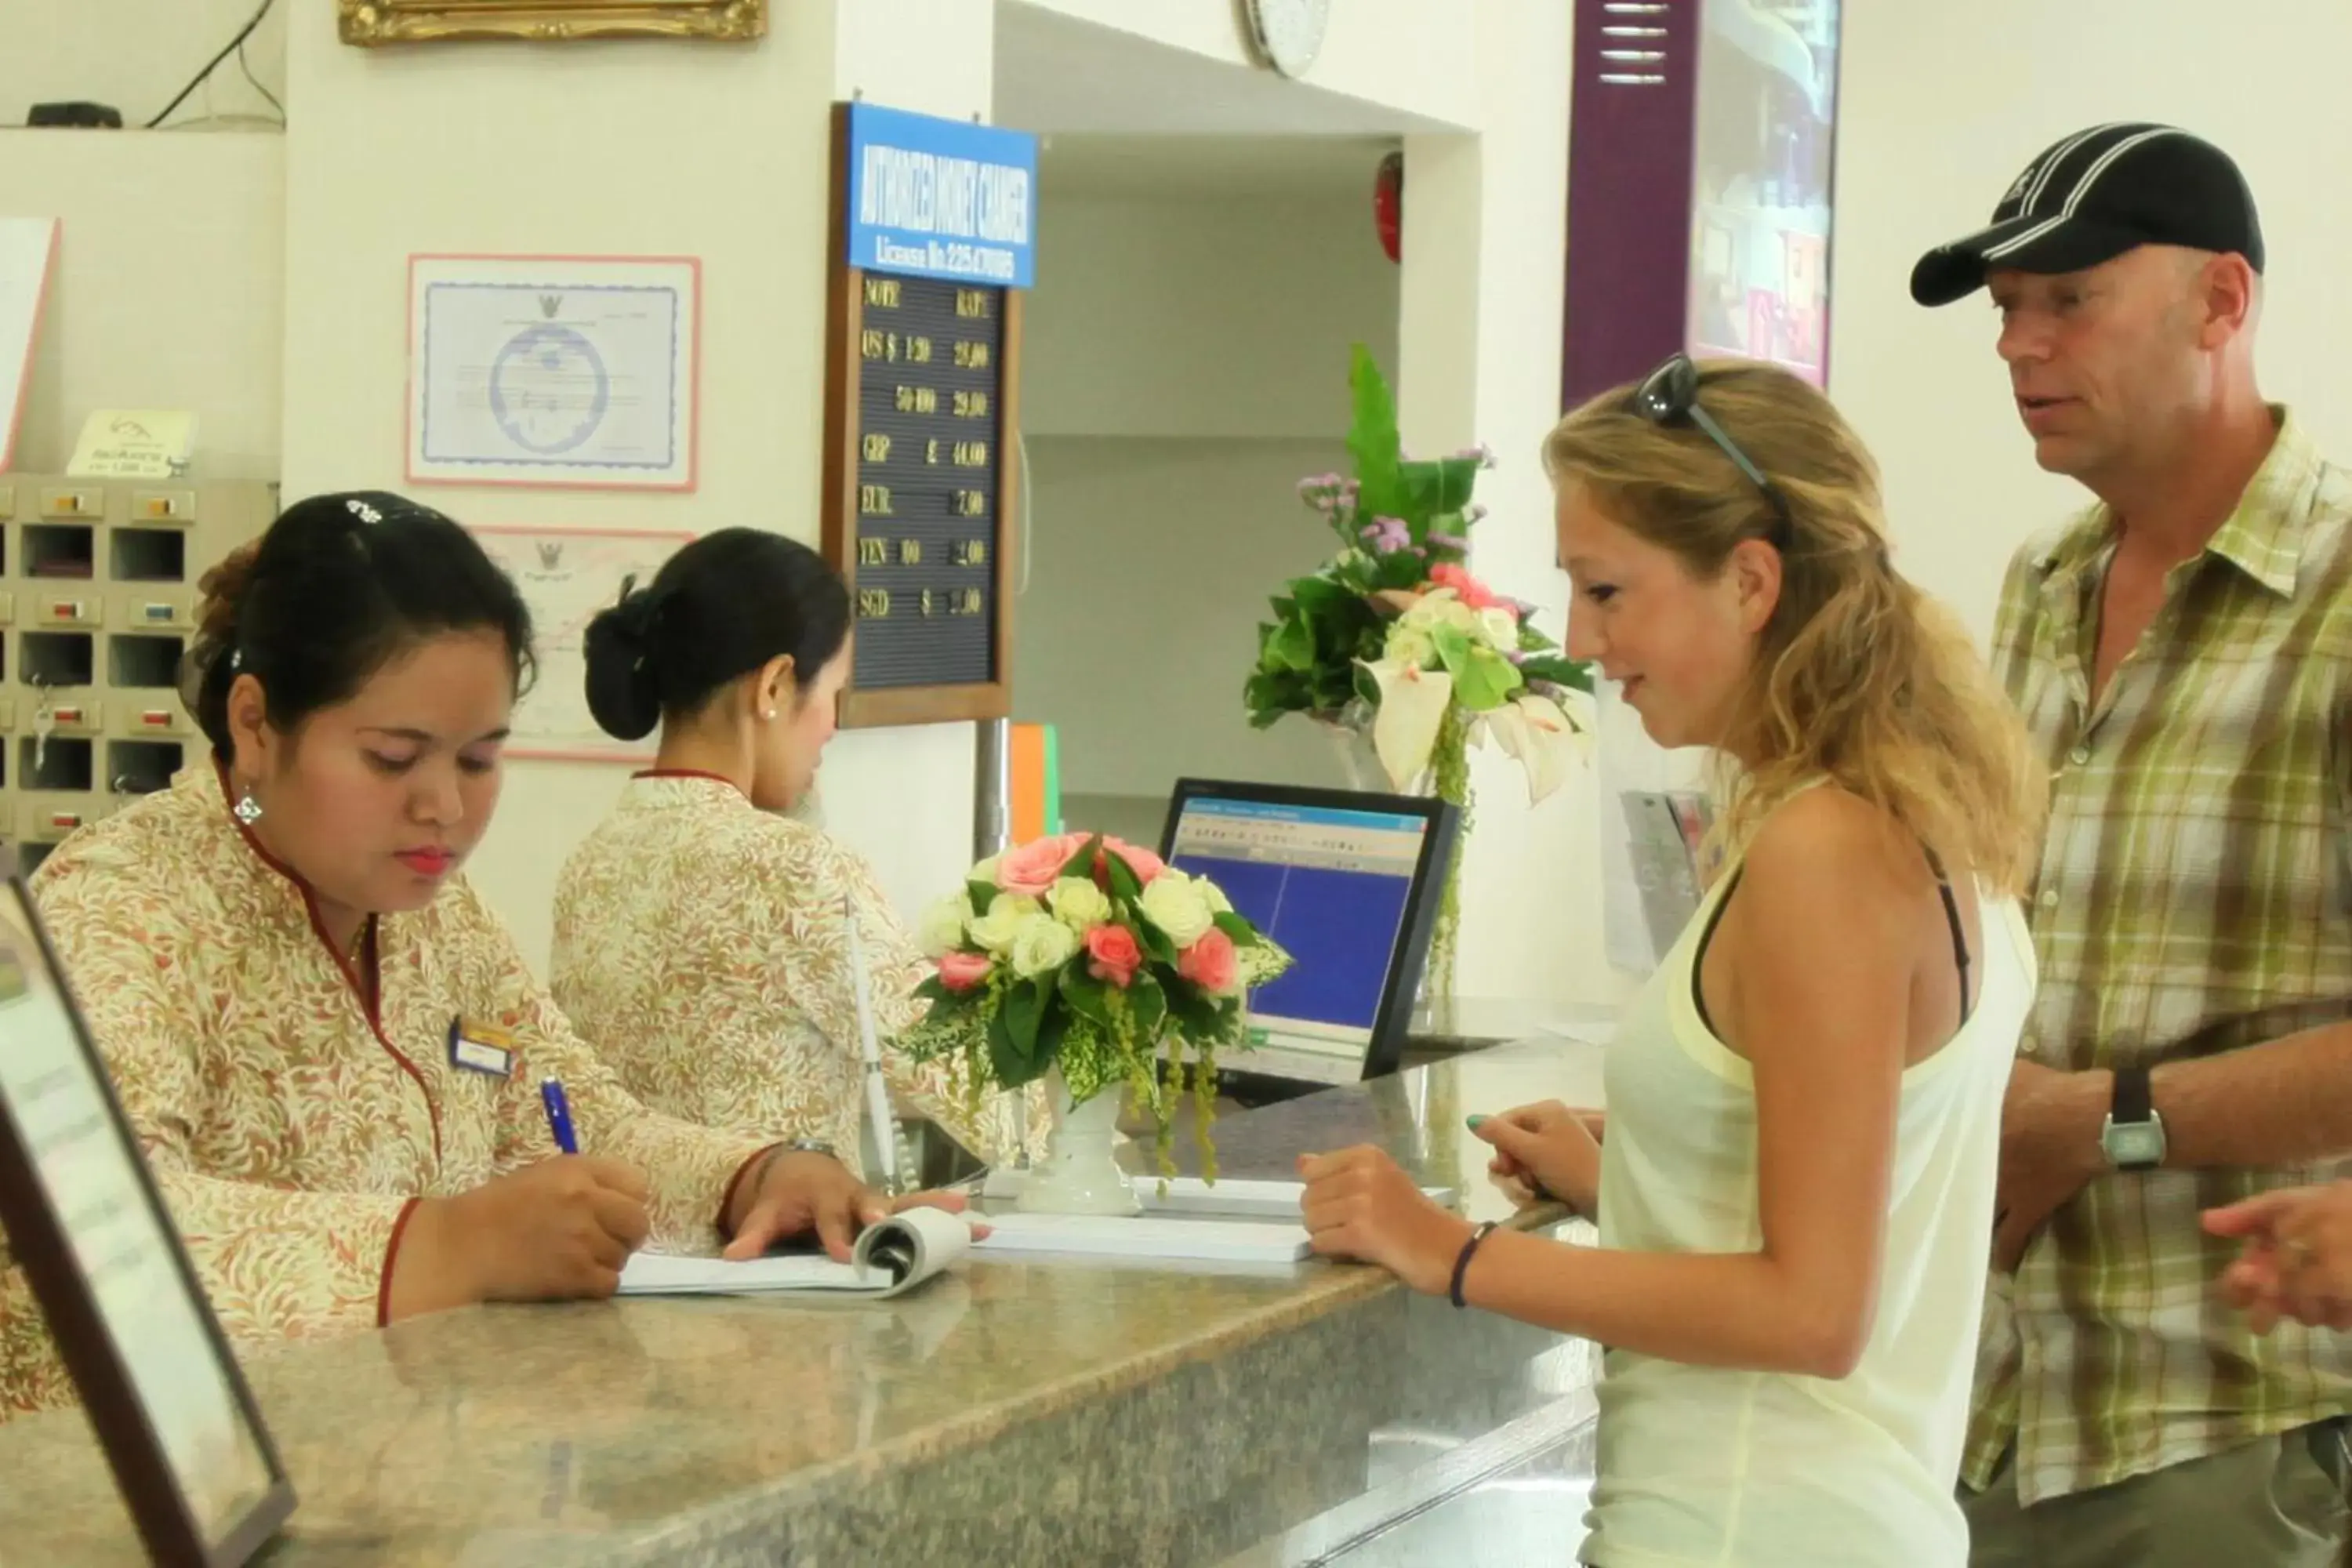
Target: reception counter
{"points": [[1033, 1412]]}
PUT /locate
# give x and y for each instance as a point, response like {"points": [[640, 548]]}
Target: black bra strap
{"points": [[1959, 933]]}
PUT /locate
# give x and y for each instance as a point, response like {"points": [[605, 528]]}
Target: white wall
{"points": [[1153, 562], [1918, 168], [1186, 364], [640, 147], [136, 54], [169, 290], [1230, 318]]}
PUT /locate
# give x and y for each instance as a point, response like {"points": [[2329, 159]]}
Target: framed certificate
{"points": [[559, 372], [87, 1224]]}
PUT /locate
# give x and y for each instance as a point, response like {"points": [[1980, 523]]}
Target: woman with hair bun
{"points": [[701, 937], [328, 1044]]}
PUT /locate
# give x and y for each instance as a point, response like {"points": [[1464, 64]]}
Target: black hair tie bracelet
{"points": [[1462, 1263]]}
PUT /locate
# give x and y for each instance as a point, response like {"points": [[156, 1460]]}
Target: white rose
{"points": [[1174, 903], [1500, 626], [1079, 904], [940, 930], [1042, 945], [1423, 613], [1453, 611], [1409, 647], [995, 929], [1218, 903]]}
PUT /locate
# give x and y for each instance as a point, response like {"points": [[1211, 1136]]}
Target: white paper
{"points": [[1236, 1197], [567, 577], [889, 1258], [554, 372], [1206, 1241], [29, 248], [88, 1171]]}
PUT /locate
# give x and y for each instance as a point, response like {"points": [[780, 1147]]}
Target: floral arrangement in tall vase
{"points": [[1394, 641]]}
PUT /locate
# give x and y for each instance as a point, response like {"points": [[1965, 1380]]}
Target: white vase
{"points": [[1079, 1174]]}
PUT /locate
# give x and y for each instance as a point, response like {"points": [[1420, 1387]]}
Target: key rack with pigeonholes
{"points": [[97, 604]]}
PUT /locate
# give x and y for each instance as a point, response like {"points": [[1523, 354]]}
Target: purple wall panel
{"points": [[1632, 118]]}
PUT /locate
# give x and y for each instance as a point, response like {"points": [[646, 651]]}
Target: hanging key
{"points": [[45, 722]]}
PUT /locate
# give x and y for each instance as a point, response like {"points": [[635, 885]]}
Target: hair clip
{"points": [[364, 512], [235, 659]]}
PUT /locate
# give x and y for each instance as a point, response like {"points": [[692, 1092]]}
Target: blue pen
{"points": [[559, 1115]]}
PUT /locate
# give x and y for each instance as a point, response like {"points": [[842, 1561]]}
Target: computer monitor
{"points": [[1347, 883]]}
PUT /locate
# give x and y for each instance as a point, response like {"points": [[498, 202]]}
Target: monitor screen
{"points": [[1336, 878]]}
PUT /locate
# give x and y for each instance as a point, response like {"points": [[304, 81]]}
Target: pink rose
{"points": [[1112, 954], [962, 972], [1213, 964], [1034, 866], [1142, 862], [1466, 588]]}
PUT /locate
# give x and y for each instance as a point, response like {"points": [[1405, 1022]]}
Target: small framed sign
{"points": [[87, 1224]]}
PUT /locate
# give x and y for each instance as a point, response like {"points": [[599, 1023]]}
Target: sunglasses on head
{"points": [[1669, 396]]}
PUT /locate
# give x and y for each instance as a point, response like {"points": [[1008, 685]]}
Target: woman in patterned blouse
{"points": [[328, 1044], [700, 937]]}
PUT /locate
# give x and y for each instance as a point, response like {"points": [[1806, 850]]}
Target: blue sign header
{"points": [[941, 198]]}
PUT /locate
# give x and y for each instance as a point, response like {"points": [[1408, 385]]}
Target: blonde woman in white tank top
{"points": [[1795, 1179]]}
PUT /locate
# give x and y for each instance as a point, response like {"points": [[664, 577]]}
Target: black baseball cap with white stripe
{"points": [[2094, 195]]}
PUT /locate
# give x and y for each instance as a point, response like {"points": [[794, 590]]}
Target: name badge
{"points": [[477, 1047]]}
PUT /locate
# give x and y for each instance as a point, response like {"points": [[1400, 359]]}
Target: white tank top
{"points": [[1698, 1465]]}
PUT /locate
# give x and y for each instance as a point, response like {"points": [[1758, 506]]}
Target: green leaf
{"points": [[1293, 646], [1023, 1011], [1194, 1010], [1453, 649], [1010, 1064], [931, 990], [981, 894], [1372, 438], [1403, 569], [1124, 888], [1486, 681], [1155, 943], [1317, 595], [1440, 484], [1574, 674], [1243, 933], [1050, 1035], [1149, 1003], [1086, 995], [1366, 687]]}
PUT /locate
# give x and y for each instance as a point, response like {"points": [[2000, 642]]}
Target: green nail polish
{"points": [[1475, 1122]]}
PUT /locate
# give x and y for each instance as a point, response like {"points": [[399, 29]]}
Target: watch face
{"points": [[1289, 33], [2134, 1143]]}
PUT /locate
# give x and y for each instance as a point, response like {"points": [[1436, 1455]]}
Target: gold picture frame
{"points": [[371, 22]]}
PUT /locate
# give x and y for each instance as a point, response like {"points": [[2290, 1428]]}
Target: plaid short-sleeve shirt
{"points": [[2193, 897]]}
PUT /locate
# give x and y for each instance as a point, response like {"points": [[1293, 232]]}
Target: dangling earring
{"points": [[247, 810]]}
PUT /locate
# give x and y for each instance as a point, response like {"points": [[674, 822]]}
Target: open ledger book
{"points": [[889, 1260]]}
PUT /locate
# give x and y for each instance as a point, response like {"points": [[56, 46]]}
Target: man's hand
{"points": [[2298, 1258], [2050, 1124]]}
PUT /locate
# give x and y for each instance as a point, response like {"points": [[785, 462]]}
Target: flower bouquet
{"points": [[1395, 639], [1088, 961]]}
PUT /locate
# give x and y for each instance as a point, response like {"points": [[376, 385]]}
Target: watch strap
{"points": [[2133, 1102]]}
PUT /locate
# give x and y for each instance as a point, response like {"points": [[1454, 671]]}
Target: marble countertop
{"points": [[1015, 1411]]}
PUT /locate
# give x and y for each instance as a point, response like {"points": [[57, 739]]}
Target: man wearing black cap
{"points": [[2183, 651]]}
